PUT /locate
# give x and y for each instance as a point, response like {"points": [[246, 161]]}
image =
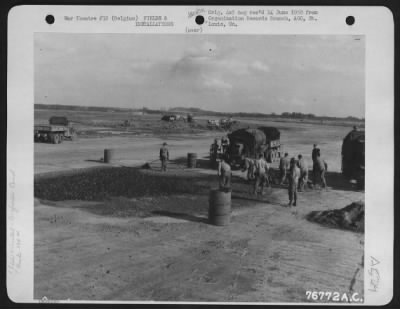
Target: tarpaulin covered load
{"points": [[58, 120], [250, 137], [271, 133]]}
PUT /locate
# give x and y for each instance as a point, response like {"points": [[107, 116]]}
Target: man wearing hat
{"points": [[164, 157]]}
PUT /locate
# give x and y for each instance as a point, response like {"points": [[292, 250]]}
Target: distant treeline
{"points": [[195, 111], [262, 115]]}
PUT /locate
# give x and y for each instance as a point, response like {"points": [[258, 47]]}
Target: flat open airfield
{"points": [[145, 244]]}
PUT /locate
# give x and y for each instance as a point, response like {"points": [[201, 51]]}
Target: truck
{"points": [[273, 142], [353, 156], [57, 130], [249, 143]]}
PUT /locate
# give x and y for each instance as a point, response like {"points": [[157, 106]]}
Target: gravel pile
{"points": [[350, 217], [98, 184]]}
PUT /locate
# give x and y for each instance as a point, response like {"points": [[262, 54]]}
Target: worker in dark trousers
{"points": [[224, 144], [315, 153], [224, 174], [164, 157]]}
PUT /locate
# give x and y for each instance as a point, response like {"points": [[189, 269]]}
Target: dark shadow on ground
{"points": [[337, 181], [102, 182], [258, 199], [183, 216], [131, 191], [97, 161]]}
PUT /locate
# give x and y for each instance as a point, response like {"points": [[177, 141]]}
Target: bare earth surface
{"points": [[102, 250]]}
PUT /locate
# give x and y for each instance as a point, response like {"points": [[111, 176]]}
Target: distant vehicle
{"points": [[173, 118], [213, 123], [189, 118], [169, 118], [223, 123], [252, 142], [353, 156], [58, 129], [228, 123]]}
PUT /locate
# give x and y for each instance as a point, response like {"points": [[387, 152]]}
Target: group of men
{"points": [[295, 171]]}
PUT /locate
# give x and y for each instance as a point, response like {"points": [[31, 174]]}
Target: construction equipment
{"points": [[353, 156], [58, 129]]}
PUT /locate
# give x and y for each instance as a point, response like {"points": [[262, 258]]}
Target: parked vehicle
{"points": [[58, 129], [353, 156]]}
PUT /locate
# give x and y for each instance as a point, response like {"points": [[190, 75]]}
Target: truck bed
{"points": [[50, 128]]}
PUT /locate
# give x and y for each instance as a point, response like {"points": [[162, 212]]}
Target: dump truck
{"points": [[273, 143], [353, 156], [57, 130], [252, 142]]}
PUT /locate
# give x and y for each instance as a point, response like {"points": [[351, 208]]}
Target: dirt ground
{"points": [[145, 246]]}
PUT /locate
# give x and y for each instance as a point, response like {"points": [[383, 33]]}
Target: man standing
{"points": [[283, 167], [261, 169], [294, 174], [249, 166], [164, 157], [224, 173], [315, 153], [214, 150], [320, 167], [302, 164], [224, 144]]}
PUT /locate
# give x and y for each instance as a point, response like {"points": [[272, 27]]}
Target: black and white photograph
{"points": [[186, 168], [200, 155]]}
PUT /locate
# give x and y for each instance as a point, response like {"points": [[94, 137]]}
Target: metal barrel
{"points": [[219, 211], [108, 155], [191, 160]]}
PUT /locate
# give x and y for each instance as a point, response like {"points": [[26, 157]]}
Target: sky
{"points": [[323, 75]]}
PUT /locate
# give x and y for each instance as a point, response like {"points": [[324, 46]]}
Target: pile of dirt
{"points": [[350, 217], [100, 183], [178, 127]]}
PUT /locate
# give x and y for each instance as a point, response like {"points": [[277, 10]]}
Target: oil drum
{"points": [[192, 160], [219, 211], [108, 155]]}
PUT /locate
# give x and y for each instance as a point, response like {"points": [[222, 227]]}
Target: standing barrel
{"points": [[191, 160], [108, 155], [219, 211]]}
